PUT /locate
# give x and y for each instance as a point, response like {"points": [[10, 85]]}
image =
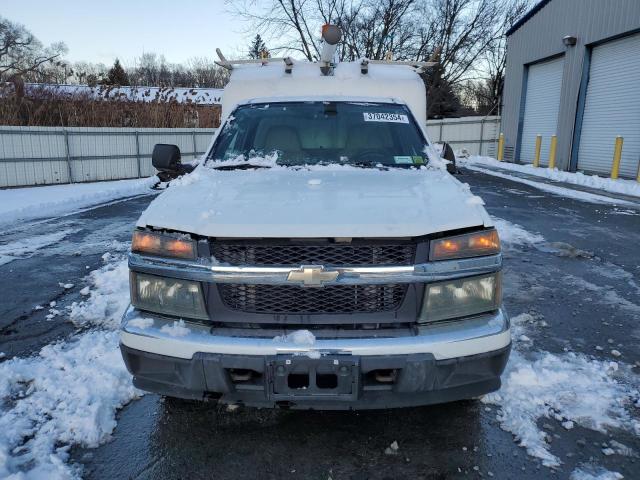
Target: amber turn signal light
{"points": [[475, 244], [157, 244]]}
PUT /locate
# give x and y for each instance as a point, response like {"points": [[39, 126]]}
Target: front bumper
{"points": [[443, 362]]}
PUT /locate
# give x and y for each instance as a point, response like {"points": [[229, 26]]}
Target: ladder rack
{"points": [[228, 64], [288, 61], [364, 64]]}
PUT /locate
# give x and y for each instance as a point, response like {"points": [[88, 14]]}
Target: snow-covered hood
{"points": [[319, 202]]}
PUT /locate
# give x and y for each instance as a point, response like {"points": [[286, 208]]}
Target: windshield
{"points": [[323, 132]]}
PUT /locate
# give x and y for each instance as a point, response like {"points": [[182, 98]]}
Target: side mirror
{"points": [[165, 157], [447, 154]]}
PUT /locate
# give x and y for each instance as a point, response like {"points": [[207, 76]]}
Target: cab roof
{"points": [[382, 83]]}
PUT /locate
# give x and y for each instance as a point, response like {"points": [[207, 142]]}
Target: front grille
{"points": [[290, 299], [315, 254]]}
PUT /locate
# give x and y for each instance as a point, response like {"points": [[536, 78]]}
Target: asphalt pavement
{"points": [[34, 283], [582, 279]]}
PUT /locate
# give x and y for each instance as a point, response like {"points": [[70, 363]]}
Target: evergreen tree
{"points": [[258, 49], [117, 75]]}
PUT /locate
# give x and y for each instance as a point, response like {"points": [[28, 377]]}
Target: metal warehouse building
{"points": [[573, 70]]}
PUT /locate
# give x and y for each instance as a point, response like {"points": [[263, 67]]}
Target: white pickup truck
{"points": [[319, 256]]}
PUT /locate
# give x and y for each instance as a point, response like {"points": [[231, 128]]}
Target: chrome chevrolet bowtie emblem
{"points": [[312, 276]]}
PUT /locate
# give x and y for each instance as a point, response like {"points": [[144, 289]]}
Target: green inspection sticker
{"points": [[417, 160]]}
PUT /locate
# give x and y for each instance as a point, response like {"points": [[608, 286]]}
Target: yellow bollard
{"points": [[536, 158], [617, 156], [552, 151], [500, 147]]}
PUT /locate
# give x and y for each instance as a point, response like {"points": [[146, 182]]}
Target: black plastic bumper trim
{"points": [[421, 379]]}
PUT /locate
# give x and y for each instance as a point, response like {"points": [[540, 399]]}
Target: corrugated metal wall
{"points": [[544, 82], [478, 135], [49, 155], [540, 38], [612, 108]]}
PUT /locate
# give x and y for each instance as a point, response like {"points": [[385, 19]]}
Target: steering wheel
{"points": [[371, 155]]}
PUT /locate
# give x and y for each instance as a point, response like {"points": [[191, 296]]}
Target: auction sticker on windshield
{"points": [[385, 117]]}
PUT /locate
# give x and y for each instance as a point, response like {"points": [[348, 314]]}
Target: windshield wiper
{"points": [[365, 164], [240, 166]]}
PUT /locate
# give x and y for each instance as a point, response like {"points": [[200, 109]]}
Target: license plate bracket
{"points": [[328, 377]]}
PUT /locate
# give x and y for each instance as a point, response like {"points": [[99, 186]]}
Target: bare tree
{"points": [[21, 54], [496, 54], [462, 28], [466, 33], [88, 73], [153, 70], [205, 73], [485, 94], [370, 28]]}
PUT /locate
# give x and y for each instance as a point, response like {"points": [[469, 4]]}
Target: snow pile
{"points": [[556, 190], [436, 162], [590, 472], [392, 449], [298, 337], [177, 329], [20, 204], [514, 234], [108, 295], [571, 388], [301, 338], [69, 393], [141, 322], [27, 246], [625, 187]]}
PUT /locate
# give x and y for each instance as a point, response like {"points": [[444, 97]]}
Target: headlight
{"points": [[461, 298], [152, 243], [475, 244], [169, 296]]}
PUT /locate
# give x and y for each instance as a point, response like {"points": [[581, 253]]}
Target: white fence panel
{"points": [[44, 147], [88, 151], [478, 135], [50, 155]]}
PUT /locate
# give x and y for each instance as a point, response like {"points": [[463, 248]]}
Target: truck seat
{"points": [[282, 137], [370, 137]]}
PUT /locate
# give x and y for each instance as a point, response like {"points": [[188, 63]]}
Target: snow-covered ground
{"points": [[620, 186], [69, 393], [590, 472], [25, 247], [20, 204], [572, 388], [514, 234]]}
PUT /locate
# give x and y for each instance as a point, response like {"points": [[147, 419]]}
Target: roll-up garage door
{"points": [[612, 107], [542, 101]]}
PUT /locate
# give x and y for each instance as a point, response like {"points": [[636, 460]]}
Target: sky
{"points": [[98, 32]]}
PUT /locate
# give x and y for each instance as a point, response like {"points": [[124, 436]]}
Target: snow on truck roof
{"points": [[271, 83]]}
